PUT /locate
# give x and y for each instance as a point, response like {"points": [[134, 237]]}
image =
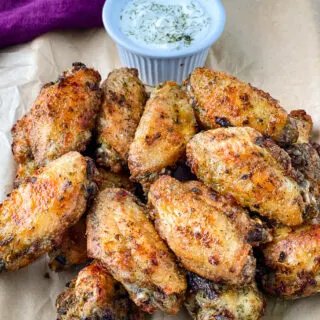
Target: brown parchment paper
{"points": [[273, 44]]}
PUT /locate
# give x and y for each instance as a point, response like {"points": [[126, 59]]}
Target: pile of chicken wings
{"points": [[204, 195]]}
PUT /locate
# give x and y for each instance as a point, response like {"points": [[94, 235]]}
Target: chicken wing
{"points": [[220, 100], [95, 295], [123, 103], [198, 231], [37, 214], [166, 126], [207, 300], [292, 262], [121, 236], [61, 118], [256, 172]]}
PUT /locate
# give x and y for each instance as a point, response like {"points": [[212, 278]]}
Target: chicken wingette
{"points": [[255, 171], [60, 120], [292, 262], [38, 213], [166, 126], [123, 103], [121, 236], [220, 100], [72, 251], [95, 295], [207, 300], [196, 228]]}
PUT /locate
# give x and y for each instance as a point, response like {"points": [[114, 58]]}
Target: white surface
{"points": [[274, 44]]}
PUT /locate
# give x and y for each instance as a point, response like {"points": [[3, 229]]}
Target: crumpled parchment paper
{"points": [[273, 44]]}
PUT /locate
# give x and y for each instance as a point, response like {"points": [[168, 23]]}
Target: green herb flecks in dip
{"points": [[164, 24]]}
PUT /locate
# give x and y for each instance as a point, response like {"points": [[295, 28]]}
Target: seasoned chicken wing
{"points": [[292, 262], [60, 120], [207, 300], [123, 103], [256, 172], [72, 250], [95, 295], [303, 123], [37, 214], [121, 236], [220, 100], [197, 230], [166, 126]]}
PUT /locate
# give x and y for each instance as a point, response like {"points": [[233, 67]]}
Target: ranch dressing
{"points": [[164, 24]]}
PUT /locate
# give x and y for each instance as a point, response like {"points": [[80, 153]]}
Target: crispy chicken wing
{"points": [[37, 214], [95, 295], [166, 126], [122, 107], [121, 236], [303, 123], [198, 231], [61, 118], [256, 172], [207, 300], [220, 100], [292, 262]]}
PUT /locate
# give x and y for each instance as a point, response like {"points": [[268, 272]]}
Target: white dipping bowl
{"points": [[159, 65]]}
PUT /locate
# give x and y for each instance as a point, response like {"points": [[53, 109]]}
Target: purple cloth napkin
{"points": [[24, 20]]}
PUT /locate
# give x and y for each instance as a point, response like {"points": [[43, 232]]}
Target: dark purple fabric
{"points": [[24, 20]]}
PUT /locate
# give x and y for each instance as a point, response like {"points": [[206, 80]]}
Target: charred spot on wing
{"points": [[196, 283], [62, 260], [223, 122]]}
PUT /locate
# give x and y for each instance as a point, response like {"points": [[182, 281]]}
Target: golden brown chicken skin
{"points": [[61, 119], [123, 103], [72, 251], [292, 262], [166, 126], [121, 236], [95, 295], [240, 162], [207, 300], [37, 214], [199, 233], [220, 100]]}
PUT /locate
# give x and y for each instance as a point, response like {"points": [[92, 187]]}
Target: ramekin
{"points": [[156, 66]]}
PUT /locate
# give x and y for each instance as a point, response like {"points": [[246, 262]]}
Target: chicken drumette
{"points": [[38, 212], [291, 262], [121, 236], [95, 295], [122, 107]]}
